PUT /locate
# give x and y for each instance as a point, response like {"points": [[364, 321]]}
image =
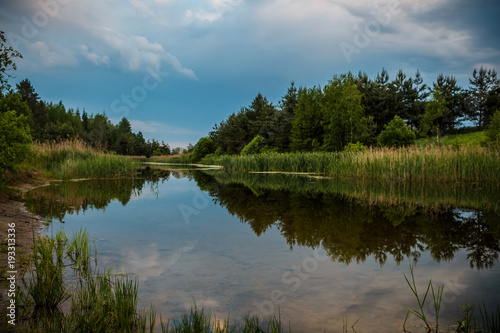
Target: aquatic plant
{"points": [[406, 164], [75, 159]]}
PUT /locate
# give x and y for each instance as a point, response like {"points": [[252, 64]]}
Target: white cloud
{"points": [[210, 10], [52, 56], [93, 57]]}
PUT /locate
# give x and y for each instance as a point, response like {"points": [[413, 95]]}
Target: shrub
{"points": [[396, 134], [355, 147], [254, 146], [204, 147], [15, 139]]}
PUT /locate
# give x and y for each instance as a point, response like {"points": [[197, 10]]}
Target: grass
{"points": [[488, 320], [420, 312], [474, 139], [75, 159], [441, 164]]}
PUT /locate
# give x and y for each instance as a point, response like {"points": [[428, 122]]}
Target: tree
{"points": [[124, 126], [203, 147], [15, 139], [396, 134], [493, 131], [7, 54], [307, 130], [434, 110], [240, 128], [278, 129], [485, 93], [454, 100], [343, 114]]}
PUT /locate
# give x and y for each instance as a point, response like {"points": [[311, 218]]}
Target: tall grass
{"points": [[75, 159], [411, 164]]}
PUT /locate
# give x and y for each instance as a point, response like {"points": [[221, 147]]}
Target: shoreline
{"points": [[13, 210]]}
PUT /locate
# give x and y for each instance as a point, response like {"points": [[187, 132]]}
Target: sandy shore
{"points": [[14, 212]]}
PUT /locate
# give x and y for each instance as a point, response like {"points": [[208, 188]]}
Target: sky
{"points": [[175, 68]]}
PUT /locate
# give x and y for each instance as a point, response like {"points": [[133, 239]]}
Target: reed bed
{"points": [[406, 164], [75, 159]]}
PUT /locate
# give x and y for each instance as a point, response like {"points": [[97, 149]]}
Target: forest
{"points": [[54, 122], [353, 111]]}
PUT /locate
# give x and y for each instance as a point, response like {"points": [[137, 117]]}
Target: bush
{"points": [[204, 147], [396, 134], [15, 140], [254, 146], [355, 147]]}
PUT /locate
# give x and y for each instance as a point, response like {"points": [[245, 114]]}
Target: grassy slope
{"points": [[469, 139]]}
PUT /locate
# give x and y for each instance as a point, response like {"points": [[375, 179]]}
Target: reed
{"points": [[46, 286], [198, 321], [449, 164], [75, 159], [420, 312]]}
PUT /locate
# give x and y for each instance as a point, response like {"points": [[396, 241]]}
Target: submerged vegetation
{"points": [[406, 164]]}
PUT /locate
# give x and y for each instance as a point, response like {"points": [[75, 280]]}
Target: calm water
{"points": [[317, 251]]}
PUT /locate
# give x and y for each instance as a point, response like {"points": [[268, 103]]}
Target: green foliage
{"points": [[344, 119], [7, 55], [307, 130], [203, 147], [75, 159], [15, 140], [434, 110], [255, 146], [46, 285], [396, 134], [437, 298], [493, 131], [405, 164], [485, 95], [355, 147]]}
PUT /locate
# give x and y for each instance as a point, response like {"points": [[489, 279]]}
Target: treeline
{"points": [[352, 111], [48, 121]]}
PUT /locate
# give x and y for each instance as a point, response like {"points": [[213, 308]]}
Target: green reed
{"points": [[437, 298], [75, 159], [198, 321], [406, 164], [46, 286]]}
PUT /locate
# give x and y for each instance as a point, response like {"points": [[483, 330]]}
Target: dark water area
{"points": [[315, 251]]}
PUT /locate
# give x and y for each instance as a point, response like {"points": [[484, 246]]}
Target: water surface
{"points": [[316, 251]]}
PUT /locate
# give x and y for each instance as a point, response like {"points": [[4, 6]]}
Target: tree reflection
{"points": [[352, 229], [350, 221]]}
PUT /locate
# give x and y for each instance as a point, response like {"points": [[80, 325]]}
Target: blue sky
{"points": [[174, 68]]}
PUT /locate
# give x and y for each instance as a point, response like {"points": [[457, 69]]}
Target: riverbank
{"points": [[438, 164], [13, 212]]}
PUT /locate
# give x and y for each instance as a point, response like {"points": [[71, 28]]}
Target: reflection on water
{"points": [[351, 228], [316, 250]]}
